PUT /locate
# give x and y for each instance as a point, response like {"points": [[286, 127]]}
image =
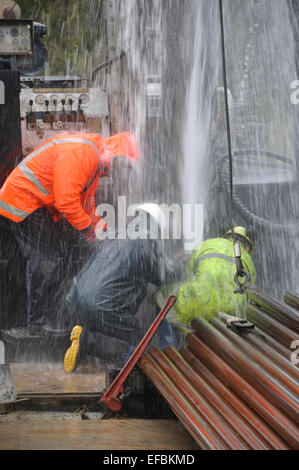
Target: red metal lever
{"points": [[111, 396]]}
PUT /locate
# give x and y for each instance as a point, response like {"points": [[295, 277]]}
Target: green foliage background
{"points": [[75, 32]]}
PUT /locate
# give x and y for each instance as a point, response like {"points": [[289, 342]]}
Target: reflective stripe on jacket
{"points": [[210, 286], [61, 174]]}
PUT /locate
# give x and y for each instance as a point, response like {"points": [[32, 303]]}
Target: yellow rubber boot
{"points": [[70, 357]]}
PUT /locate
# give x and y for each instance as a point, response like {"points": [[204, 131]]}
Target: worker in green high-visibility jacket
{"points": [[210, 281]]}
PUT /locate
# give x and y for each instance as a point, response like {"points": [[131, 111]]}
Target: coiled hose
{"points": [[223, 172]]}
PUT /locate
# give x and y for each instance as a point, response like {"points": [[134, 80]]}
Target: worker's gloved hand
{"points": [[89, 235]]}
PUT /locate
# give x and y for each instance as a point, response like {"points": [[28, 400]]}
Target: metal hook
{"points": [[242, 286]]}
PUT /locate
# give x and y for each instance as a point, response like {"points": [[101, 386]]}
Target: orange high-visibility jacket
{"points": [[62, 174]]}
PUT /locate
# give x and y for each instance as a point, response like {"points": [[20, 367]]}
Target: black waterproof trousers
{"points": [[53, 256]]}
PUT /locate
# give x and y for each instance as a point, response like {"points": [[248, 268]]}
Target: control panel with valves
{"points": [[50, 105], [55, 113]]}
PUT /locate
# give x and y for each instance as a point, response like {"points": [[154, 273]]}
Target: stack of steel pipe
{"points": [[232, 389], [292, 299], [275, 310]]}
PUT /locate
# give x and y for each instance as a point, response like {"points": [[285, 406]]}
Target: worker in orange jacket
{"points": [[51, 193]]}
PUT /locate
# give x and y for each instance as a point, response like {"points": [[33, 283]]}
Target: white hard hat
{"points": [[158, 215]]}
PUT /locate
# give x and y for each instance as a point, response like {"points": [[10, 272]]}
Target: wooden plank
{"points": [[95, 435], [32, 379]]}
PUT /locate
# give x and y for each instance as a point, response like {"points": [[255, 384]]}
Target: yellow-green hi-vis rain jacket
{"points": [[209, 284]]}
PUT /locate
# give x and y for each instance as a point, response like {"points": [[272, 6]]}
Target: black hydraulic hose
{"points": [[294, 229], [107, 64]]}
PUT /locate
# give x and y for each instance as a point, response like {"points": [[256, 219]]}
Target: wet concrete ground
{"points": [[40, 416]]}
